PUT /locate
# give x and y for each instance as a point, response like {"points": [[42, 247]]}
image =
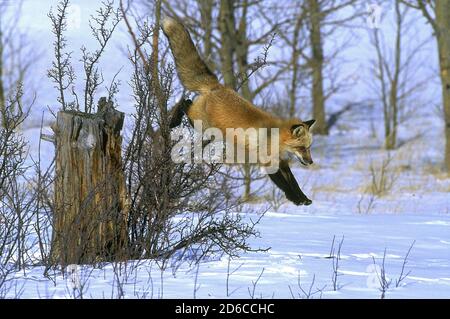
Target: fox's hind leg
{"points": [[180, 109]]}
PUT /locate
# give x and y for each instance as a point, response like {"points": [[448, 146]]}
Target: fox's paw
{"points": [[304, 201], [301, 201]]}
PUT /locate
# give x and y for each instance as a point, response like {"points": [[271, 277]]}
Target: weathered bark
{"points": [[442, 24], [90, 200], [317, 62]]}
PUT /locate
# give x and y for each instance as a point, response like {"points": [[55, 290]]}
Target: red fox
{"points": [[221, 107]]}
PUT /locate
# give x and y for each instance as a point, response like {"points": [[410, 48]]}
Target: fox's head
{"points": [[300, 140]]}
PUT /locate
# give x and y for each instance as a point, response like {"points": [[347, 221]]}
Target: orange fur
{"points": [[224, 108], [221, 107]]}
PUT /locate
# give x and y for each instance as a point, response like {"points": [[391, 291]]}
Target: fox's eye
{"points": [[302, 149]]}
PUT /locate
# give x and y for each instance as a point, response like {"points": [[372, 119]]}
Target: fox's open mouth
{"points": [[302, 161]]}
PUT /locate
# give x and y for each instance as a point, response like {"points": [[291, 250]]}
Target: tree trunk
{"points": [[391, 135], [227, 30], [295, 67], [206, 12], [235, 42], [241, 49], [317, 68], [90, 201], [442, 9]]}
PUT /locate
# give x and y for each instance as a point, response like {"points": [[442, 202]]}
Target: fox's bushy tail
{"points": [[192, 70]]}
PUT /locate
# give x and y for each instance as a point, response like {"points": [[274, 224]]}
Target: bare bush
{"points": [[19, 221], [252, 291], [383, 176], [404, 274], [335, 256], [366, 203], [384, 281], [15, 202], [175, 208], [62, 72], [307, 293], [43, 208], [229, 273]]}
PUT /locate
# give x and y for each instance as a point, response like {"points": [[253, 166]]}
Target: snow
{"points": [[300, 246], [414, 213]]}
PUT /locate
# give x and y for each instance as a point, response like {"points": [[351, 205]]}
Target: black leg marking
{"points": [[286, 181], [178, 111]]}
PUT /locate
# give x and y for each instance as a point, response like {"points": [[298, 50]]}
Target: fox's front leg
{"points": [[286, 181]]}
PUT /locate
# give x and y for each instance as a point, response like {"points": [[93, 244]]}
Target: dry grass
{"points": [[382, 176]]}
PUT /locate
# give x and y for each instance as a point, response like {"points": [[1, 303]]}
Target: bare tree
{"points": [[437, 13], [317, 62], [325, 17], [294, 35], [15, 60], [227, 28], [206, 14], [297, 46], [397, 86], [310, 24]]}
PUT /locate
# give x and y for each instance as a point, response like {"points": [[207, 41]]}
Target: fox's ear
{"points": [[297, 129], [310, 123]]}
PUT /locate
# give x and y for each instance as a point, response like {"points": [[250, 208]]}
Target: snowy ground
{"points": [[300, 248], [415, 212]]}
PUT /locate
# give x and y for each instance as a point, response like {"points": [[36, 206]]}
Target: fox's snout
{"points": [[306, 162], [304, 158]]}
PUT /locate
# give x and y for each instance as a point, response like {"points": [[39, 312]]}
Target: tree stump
{"points": [[90, 219]]}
